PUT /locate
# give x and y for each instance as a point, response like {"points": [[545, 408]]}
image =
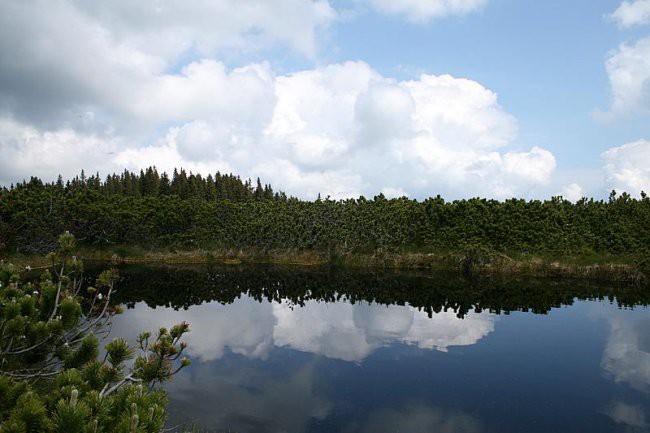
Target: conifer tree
{"points": [[51, 379]]}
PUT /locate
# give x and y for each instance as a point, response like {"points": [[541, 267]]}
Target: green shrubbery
{"points": [[191, 215], [51, 379]]}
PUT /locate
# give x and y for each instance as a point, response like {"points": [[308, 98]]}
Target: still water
{"points": [[325, 350]]}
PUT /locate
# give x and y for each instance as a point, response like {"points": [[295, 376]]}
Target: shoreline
{"points": [[499, 265]]}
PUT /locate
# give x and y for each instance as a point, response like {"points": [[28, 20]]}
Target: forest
{"points": [[223, 212]]}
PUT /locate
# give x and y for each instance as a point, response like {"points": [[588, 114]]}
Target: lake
{"points": [[330, 350]]}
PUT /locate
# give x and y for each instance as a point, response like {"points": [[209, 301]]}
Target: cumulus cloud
{"points": [[627, 167], [424, 10], [108, 80], [628, 69], [345, 130], [107, 55], [342, 130], [633, 13]]}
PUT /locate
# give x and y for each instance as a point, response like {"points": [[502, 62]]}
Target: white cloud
{"points": [[336, 183], [633, 13], [27, 151], [166, 154], [628, 69], [424, 10], [58, 57], [341, 129], [627, 167], [205, 89], [394, 192], [314, 120], [572, 192]]}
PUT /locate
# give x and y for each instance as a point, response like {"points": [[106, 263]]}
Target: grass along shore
{"points": [[479, 262]]}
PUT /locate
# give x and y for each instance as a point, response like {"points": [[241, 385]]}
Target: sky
{"points": [[462, 98]]}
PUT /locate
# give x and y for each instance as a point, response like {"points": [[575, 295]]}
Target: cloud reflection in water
{"points": [[340, 330], [238, 395]]}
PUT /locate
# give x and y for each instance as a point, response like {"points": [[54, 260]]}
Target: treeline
{"points": [[150, 183], [33, 214]]}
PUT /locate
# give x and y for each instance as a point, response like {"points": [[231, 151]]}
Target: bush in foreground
{"points": [[52, 378]]}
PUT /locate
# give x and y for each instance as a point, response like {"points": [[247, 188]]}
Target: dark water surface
{"points": [[323, 350]]}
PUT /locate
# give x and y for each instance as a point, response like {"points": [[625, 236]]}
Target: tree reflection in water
{"points": [[332, 350]]}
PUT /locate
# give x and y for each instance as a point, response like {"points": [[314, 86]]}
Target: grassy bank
{"points": [[479, 262]]}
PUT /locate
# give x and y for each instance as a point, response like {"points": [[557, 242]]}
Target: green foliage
{"points": [[67, 244], [190, 212], [51, 379], [78, 409], [29, 415]]}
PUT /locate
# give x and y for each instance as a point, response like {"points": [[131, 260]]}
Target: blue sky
{"points": [[494, 98], [544, 59]]}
